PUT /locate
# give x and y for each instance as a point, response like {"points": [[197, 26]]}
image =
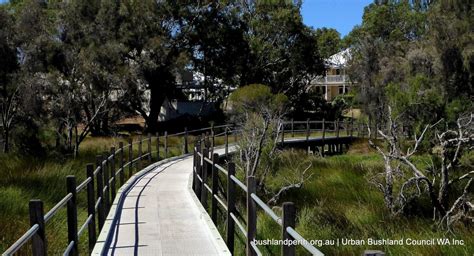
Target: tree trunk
{"points": [[156, 101]]}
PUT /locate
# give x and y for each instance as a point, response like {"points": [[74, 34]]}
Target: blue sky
{"points": [[342, 15]]}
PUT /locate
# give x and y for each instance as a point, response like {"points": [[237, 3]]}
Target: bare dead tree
{"points": [[295, 181], [435, 181]]}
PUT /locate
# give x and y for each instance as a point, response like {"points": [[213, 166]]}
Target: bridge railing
{"points": [[207, 187], [114, 167], [205, 164], [111, 170]]}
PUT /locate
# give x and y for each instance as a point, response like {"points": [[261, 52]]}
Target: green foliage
{"points": [[255, 98], [420, 101], [338, 202], [415, 57], [329, 41]]}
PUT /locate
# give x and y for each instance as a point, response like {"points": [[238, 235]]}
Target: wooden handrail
{"points": [[99, 199]]}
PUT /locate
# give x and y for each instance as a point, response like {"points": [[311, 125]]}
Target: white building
{"points": [[336, 81]]}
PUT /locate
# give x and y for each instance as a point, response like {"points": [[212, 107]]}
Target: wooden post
{"points": [[211, 152], [72, 214], [204, 167], [121, 163], [235, 133], [282, 132], [292, 128], [140, 145], [307, 130], [185, 143], [130, 157], [91, 207], [226, 142], [105, 168], [157, 146], [100, 192], [113, 188], [336, 123], [251, 214], [352, 124], [289, 219], [230, 208], [194, 167], [324, 135], [198, 169], [215, 187], [166, 144], [346, 127], [38, 241], [149, 148]]}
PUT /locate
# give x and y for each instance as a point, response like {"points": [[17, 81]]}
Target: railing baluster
{"points": [[72, 214], [282, 131], [251, 215], [140, 144], [113, 188], [292, 128], [197, 183], [322, 138], [91, 207], [307, 130], [166, 145], [215, 186], [226, 142], [130, 157], [157, 146], [289, 218], [39, 242], [204, 168], [230, 208], [105, 168], [121, 163], [149, 148], [185, 146], [100, 193]]}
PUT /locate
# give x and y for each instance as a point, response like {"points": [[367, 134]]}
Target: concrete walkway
{"points": [[157, 213]]}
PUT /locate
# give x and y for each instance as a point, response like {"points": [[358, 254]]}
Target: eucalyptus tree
{"points": [[8, 67], [216, 45], [90, 60], [152, 32], [283, 51]]}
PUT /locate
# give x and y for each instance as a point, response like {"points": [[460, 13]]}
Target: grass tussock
{"points": [[339, 202]]}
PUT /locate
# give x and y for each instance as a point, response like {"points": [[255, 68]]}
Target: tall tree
{"points": [[152, 32], [8, 66], [329, 41]]}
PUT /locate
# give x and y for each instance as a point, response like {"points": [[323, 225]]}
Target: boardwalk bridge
{"points": [[141, 201]]}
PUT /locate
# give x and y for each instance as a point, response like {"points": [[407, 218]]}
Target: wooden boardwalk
{"points": [[157, 213]]}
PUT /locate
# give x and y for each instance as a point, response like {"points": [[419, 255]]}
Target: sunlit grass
{"points": [[339, 202]]}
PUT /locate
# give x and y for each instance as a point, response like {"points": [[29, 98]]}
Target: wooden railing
{"points": [[206, 163], [102, 182], [101, 185]]}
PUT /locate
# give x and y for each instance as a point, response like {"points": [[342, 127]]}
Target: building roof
{"points": [[339, 59]]}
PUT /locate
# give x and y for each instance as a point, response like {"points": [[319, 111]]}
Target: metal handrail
{"points": [[266, 209], [83, 184], [60, 204], [313, 250], [22, 240], [239, 183]]}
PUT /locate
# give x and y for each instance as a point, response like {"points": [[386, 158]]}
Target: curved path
{"points": [[157, 213]]}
